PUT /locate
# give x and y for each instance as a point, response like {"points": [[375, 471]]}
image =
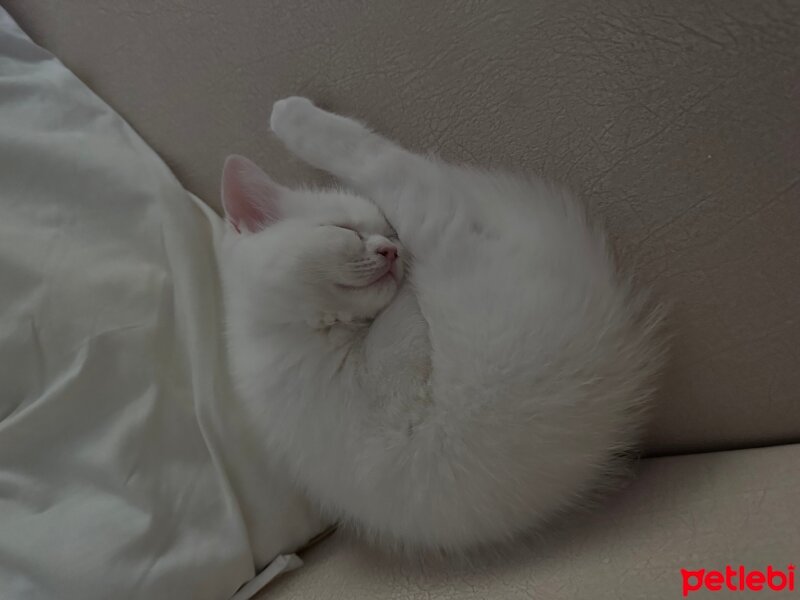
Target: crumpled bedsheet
{"points": [[124, 470]]}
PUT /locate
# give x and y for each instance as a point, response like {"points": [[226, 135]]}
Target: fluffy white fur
{"points": [[464, 406]]}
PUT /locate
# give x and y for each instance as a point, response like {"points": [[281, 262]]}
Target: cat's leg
{"points": [[340, 145], [398, 181]]}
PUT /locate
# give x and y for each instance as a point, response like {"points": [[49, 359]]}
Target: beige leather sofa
{"points": [[679, 120]]}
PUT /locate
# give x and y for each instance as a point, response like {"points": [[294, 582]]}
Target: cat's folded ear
{"points": [[252, 201]]}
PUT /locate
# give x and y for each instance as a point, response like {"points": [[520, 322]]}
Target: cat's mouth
{"points": [[388, 274]]}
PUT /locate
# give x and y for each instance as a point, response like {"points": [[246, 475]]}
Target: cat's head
{"points": [[309, 252]]}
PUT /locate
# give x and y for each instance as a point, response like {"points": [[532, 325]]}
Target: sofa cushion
{"points": [[703, 511]]}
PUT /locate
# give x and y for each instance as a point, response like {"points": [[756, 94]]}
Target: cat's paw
{"points": [[289, 114], [326, 320], [322, 320], [344, 317]]}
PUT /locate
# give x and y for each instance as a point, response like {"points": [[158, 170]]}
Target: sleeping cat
{"points": [[443, 357]]}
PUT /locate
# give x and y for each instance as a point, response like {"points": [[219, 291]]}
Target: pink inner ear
{"points": [[250, 198]]}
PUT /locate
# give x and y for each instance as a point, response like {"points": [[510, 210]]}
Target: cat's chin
{"points": [[370, 299], [387, 278]]}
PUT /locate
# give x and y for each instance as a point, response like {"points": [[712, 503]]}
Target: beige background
{"points": [[678, 120]]}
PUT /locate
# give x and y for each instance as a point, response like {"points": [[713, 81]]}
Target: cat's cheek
{"points": [[337, 246]]}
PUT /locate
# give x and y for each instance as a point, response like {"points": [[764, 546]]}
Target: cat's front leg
{"points": [[327, 141], [407, 187], [346, 149]]}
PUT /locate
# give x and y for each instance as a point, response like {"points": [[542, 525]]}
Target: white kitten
{"points": [[495, 387]]}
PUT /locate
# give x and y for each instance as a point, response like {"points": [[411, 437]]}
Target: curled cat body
{"points": [[442, 357]]}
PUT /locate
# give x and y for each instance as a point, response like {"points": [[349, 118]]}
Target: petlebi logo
{"points": [[739, 579]]}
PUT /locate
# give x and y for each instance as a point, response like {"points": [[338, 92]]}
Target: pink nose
{"points": [[388, 252]]}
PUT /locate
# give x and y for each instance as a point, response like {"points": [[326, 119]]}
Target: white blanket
{"points": [[124, 472]]}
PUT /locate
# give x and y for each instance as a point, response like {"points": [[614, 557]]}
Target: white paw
{"points": [[290, 113], [322, 321]]}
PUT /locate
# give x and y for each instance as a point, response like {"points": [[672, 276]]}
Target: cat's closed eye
{"points": [[348, 228]]}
